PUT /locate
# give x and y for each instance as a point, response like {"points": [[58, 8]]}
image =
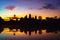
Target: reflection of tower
{"points": [[25, 32], [40, 31], [29, 15], [29, 33], [35, 31], [14, 30], [14, 33]]}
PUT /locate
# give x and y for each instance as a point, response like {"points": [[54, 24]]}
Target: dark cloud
{"points": [[30, 8], [10, 7], [49, 6], [58, 3], [34, 8]]}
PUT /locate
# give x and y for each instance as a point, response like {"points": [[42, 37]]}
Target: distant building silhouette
{"points": [[29, 15], [40, 18], [35, 17], [25, 17], [55, 17], [13, 18]]}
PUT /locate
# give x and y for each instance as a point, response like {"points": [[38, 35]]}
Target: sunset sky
{"points": [[44, 8]]}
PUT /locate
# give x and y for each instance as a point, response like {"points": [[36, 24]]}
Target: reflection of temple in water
{"points": [[15, 32], [26, 32]]}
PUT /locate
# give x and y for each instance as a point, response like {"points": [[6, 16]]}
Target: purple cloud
{"points": [[49, 6], [10, 7]]}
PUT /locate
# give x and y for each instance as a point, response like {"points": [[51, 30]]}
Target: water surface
{"points": [[7, 34]]}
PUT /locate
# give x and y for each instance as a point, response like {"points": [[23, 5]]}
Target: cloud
{"points": [[58, 3], [35, 8], [49, 6], [10, 7], [30, 8], [46, 6]]}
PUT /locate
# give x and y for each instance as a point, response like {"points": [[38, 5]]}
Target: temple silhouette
{"points": [[13, 18], [31, 24]]}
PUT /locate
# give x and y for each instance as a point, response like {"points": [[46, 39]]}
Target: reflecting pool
{"points": [[8, 34]]}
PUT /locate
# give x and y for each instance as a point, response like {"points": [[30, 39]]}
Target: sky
{"points": [[44, 8]]}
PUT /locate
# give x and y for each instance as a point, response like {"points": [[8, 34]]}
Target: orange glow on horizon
{"points": [[21, 13]]}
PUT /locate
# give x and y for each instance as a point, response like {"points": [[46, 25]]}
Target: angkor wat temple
{"points": [[31, 24]]}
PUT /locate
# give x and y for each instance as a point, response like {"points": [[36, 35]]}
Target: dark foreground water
{"points": [[35, 35]]}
